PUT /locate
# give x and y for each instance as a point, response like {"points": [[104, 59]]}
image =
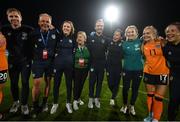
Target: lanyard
{"points": [[45, 41]]}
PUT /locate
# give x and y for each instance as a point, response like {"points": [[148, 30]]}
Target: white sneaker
{"points": [[15, 107], [80, 102], [54, 108], [24, 109], [69, 108], [124, 109], [90, 103], [132, 110], [155, 120], [75, 105], [149, 118], [97, 103], [112, 102]]}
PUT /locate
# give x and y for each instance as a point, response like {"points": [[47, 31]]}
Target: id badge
{"points": [[45, 54], [81, 62]]}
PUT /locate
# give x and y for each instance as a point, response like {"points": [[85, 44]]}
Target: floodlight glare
{"points": [[111, 13]]}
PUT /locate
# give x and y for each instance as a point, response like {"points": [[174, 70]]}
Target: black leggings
{"points": [[113, 77], [95, 78], [174, 97], [68, 72], [136, 77], [79, 79], [14, 72]]}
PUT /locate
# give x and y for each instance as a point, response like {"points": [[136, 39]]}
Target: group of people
{"points": [[49, 53]]}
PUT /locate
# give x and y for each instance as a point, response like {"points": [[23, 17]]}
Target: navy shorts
{"points": [[3, 76], [156, 79], [40, 68]]}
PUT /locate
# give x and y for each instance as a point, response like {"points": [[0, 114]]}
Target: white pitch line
{"points": [[142, 92]]}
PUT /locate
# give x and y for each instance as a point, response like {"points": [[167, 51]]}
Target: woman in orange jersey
{"points": [[156, 73], [3, 67]]}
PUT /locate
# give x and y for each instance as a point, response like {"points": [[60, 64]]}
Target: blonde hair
{"points": [[82, 33], [131, 26], [153, 29], [9, 10]]}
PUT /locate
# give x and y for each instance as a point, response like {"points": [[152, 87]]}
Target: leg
{"points": [[25, 74], [110, 80], [157, 101], [1, 97], [137, 77], [68, 78], [82, 81], [14, 72], [68, 72], [126, 85], [3, 78], [92, 81], [173, 98], [77, 80], [57, 82], [36, 89], [99, 82], [150, 95], [100, 76], [47, 80], [1, 92], [35, 95], [117, 79]]}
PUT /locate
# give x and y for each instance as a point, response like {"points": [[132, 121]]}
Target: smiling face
{"points": [[99, 27], [116, 36], [149, 33], [66, 28], [81, 38], [44, 22], [131, 33], [172, 33], [14, 18]]}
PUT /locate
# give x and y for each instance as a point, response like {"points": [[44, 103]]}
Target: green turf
{"points": [[105, 113]]}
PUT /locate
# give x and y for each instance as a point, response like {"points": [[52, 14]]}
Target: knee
{"points": [[125, 88], [36, 84]]}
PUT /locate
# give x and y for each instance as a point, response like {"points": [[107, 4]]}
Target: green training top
{"points": [[133, 60], [82, 56]]}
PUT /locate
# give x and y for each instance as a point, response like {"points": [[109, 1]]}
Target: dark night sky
{"points": [[84, 12]]}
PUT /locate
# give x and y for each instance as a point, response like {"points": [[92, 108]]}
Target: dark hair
{"points": [[119, 30], [99, 20]]}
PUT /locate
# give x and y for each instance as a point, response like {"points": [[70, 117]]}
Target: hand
{"points": [[161, 38], [163, 41], [51, 27]]}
